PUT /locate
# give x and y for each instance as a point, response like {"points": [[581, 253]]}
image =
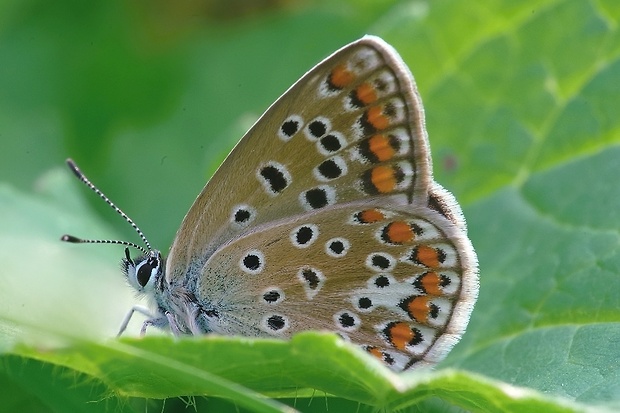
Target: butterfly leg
{"points": [[169, 321], [145, 311], [159, 322]]}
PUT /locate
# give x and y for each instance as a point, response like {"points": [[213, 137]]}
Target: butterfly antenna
{"points": [[76, 240]]}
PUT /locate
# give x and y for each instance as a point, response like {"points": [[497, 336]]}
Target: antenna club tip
{"points": [[74, 168], [70, 238]]}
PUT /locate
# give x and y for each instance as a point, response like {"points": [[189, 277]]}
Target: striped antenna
{"points": [[76, 240]]}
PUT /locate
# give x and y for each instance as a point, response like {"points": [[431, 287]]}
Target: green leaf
{"points": [[521, 101]]}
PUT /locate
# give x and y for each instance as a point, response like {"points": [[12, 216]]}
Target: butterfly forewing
{"points": [[351, 128], [325, 216]]}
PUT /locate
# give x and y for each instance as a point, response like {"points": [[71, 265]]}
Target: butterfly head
{"points": [[143, 273]]}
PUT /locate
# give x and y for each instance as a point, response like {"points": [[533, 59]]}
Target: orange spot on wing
{"points": [[375, 352], [399, 232], [400, 334], [341, 77], [418, 308], [380, 146], [383, 178], [370, 216], [427, 256], [377, 119], [431, 282], [366, 93]]}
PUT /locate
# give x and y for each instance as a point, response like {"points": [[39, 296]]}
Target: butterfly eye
{"points": [[142, 271]]}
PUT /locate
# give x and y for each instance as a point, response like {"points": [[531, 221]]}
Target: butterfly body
{"points": [[325, 217]]}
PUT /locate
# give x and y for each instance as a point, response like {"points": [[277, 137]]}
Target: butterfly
{"points": [[325, 216]]}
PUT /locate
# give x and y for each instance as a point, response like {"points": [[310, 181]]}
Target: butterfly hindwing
{"points": [[393, 280]]}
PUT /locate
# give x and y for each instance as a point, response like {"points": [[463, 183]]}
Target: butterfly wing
{"points": [[398, 280], [326, 216], [351, 128]]}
